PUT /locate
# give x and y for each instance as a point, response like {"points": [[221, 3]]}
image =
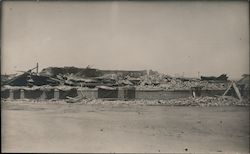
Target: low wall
{"points": [[49, 94], [16, 94], [107, 93], [64, 93], [38, 94], [93, 93], [5, 93], [89, 93], [32, 94], [212, 93], [161, 94]]}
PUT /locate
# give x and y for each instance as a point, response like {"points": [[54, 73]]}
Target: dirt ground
{"points": [[46, 127]]}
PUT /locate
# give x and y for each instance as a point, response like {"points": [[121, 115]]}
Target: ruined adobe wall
{"points": [[161, 94], [93, 94]]}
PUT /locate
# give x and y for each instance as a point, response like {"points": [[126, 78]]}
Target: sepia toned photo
{"points": [[125, 76]]}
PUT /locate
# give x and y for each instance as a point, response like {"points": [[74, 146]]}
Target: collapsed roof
{"points": [[26, 78]]}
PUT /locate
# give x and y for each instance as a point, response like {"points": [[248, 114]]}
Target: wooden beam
{"points": [[37, 68], [228, 89], [237, 91]]}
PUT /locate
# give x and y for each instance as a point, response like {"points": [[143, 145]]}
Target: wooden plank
{"points": [[74, 100], [237, 91], [228, 89], [82, 92]]}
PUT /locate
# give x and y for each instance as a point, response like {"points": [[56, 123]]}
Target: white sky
{"points": [[170, 37]]}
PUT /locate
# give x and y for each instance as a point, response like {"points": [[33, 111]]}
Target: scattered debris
{"points": [[75, 99], [91, 78], [171, 83], [190, 101]]}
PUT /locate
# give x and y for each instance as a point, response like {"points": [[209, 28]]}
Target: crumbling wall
{"points": [[5, 93], [64, 93], [107, 93], [212, 93], [49, 94], [120, 93], [89, 93], [33, 94], [129, 93], [161, 94], [16, 94]]}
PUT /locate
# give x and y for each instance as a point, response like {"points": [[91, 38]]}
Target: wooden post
{"points": [[228, 89], [237, 91], [37, 68], [194, 94], [82, 92]]}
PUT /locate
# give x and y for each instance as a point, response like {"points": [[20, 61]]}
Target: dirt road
{"points": [[29, 127]]}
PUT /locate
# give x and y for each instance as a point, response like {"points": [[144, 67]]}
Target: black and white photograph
{"points": [[125, 76]]}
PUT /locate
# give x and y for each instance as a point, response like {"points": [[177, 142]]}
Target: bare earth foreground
{"points": [[55, 127]]}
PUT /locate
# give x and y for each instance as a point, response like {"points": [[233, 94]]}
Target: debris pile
{"points": [[170, 83], [206, 101], [191, 101], [91, 78], [66, 78]]}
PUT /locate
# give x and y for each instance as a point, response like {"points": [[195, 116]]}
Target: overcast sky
{"points": [[171, 37]]}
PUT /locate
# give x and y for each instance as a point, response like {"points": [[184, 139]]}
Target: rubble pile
{"points": [[169, 83], [120, 84], [191, 101], [206, 101], [91, 78]]}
